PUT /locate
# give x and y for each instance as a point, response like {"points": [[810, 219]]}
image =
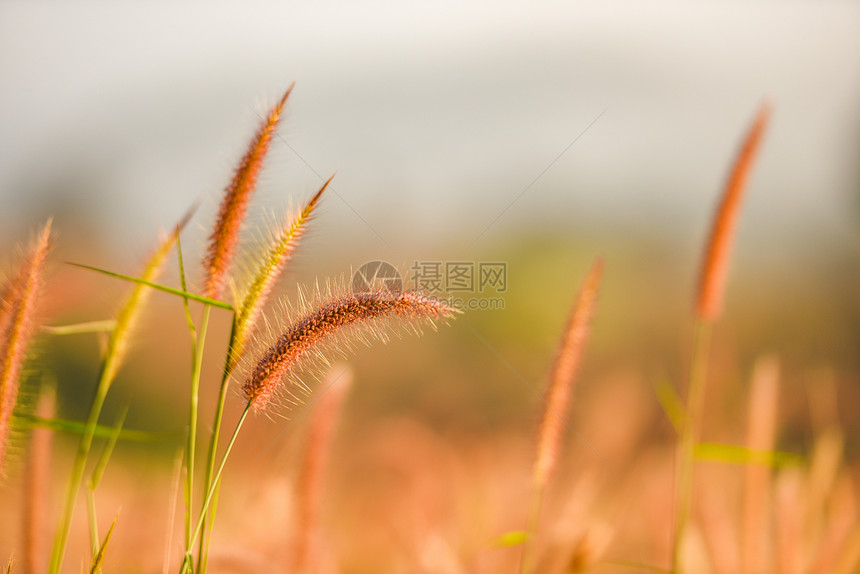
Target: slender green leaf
{"points": [[78, 328], [671, 403], [100, 555], [164, 288], [184, 286], [101, 431], [99, 470], [733, 454]]}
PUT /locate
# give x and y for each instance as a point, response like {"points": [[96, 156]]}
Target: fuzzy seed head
{"points": [[234, 205], [712, 279], [329, 320], [268, 271], [562, 374], [17, 319]]}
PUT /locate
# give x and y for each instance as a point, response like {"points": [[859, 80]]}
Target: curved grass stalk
{"points": [[188, 559], [712, 281]]}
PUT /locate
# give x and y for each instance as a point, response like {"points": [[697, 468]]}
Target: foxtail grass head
{"points": [[268, 270], [326, 323], [561, 378], [234, 205], [712, 279], [17, 324]]}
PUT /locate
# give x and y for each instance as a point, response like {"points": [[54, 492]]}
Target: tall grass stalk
{"points": [[220, 253], [561, 380], [690, 435], [188, 559], [93, 484], [712, 282]]}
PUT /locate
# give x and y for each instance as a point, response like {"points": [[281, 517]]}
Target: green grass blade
{"points": [[671, 403], [733, 454], [100, 555], [79, 328], [99, 470], [164, 288], [100, 431]]}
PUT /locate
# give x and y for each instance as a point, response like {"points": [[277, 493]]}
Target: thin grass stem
{"points": [[188, 559], [532, 521], [690, 436], [198, 342], [203, 551]]}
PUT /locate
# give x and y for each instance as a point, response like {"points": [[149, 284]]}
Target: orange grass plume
{"points": [[234, 206], [268, 271], [17, 324], [328, 321], [712, 279], [561, 378]]}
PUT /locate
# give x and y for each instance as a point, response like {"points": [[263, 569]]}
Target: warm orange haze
{"points": [[724, 459]]}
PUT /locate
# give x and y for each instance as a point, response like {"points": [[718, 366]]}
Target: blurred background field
{"points": [[541, 136]]}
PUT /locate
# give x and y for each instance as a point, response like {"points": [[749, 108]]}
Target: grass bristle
{"points": [[17, 317], [325, 323], [234, 206], [712, 279]]}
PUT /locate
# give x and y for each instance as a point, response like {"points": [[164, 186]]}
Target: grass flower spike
{"points": [[327, 321], [17, 319], [267, 274], [715, 262], [225, 237], [561, 377]]}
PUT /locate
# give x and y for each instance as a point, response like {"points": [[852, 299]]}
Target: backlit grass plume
{"points": [[329, 320], [712, 279], [269, 270], [561, 377], [17, 321], [225, 237]]}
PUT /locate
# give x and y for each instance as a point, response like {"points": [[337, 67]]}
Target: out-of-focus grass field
{"points": [[533, 135], [433, 455]]}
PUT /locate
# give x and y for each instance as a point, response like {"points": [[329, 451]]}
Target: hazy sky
{"points": [[445, 119]]}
